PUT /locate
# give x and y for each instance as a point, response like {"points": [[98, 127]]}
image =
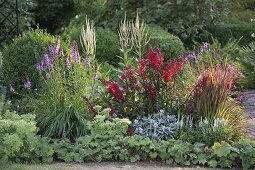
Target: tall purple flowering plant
{"points": [[68, 77]]}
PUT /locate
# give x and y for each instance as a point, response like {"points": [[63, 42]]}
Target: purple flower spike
{"points": [[48, 61], [12, 90], [27, 84], [68, 62], [57, 46], [75, 52], [62, 52], [52, 53], [39, 67], [86, 61]]}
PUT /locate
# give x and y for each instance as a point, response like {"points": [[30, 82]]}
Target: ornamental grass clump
{"points": [[146, 89], [69, 77], [211, 94]]}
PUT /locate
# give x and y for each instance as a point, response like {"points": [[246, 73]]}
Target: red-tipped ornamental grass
{"points": [[212, 91]]}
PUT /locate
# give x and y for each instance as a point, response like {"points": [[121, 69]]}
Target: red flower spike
{"points": [[113, 89], [172, 68], [156, 59], [142, 69]]}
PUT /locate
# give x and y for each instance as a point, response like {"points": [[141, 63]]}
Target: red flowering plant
{"points": [[211, 96], [146, 89]]}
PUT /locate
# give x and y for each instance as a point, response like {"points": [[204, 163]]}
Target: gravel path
{"points": [[124, 166], [247, 99], [99, 166]]}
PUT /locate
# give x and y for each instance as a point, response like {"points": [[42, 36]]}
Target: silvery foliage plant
{"points": [[159, 126], [217, 125]]}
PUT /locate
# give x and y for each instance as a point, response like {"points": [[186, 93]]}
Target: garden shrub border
{"points": [[172, 152], [111, 139]]}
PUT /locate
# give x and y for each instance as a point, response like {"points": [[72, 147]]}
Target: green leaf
{"points": [[221, 149], [201, 158], [153, 155], [212, 163], [135, 158], [169, 161]]}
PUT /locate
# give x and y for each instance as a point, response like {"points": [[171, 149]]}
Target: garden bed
{"points": [[167, 110]]}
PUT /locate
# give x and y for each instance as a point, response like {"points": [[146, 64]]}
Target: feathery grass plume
{"points": [[88, 39], [140, 38], [125, 38]]}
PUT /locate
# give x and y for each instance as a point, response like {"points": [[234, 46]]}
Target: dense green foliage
{"points": [[20, 57], [94, 147], [100, 144], [248, 58], [108, 48], [53, 14], [170, 45], [223, 32], [172, 152], [185, 19], [69, 83], [107, 44], [112, 94], [18, 139]]}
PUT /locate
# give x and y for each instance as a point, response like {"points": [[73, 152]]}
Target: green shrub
{"points": [[248, 59], [19, 58], [171, 45], [104, 147], [64, 103], [18, 140], [100, 144], [107, 41], [223, 32], [108, 48], [60, 108], [53, 14]]}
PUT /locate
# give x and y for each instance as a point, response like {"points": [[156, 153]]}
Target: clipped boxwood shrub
{"points": [[223, 32], [170, 45], [107, 41], [19, 57], [108, 47]]}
